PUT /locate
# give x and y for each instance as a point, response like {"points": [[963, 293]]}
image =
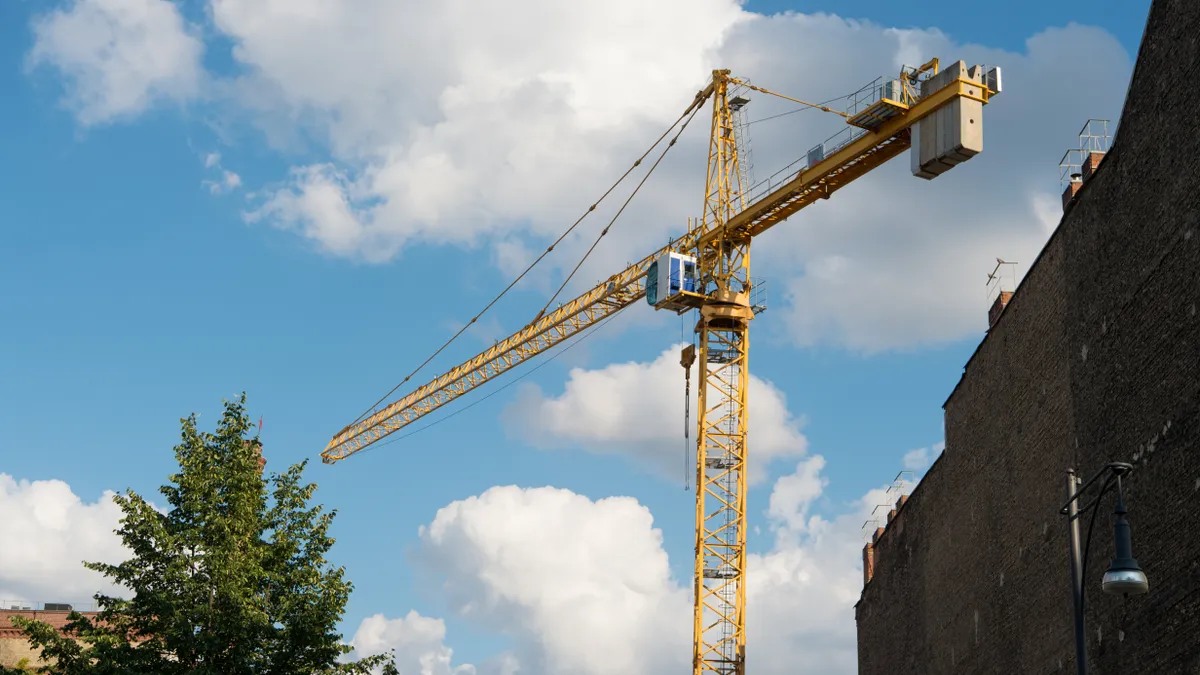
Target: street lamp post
{"points": [[1124, 576]]}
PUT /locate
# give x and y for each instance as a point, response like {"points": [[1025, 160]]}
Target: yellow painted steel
{"points": [[723, 266], [616, 293], [720, 240], [855, 159]]}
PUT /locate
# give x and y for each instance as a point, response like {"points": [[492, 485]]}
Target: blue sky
{"points": [[133, 295]]}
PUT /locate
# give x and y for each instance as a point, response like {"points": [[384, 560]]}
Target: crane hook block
{"points": [[687, 357]]}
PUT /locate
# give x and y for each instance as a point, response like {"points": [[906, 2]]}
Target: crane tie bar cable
{"points": [[695, 105], [618, 214], [818, 106]]}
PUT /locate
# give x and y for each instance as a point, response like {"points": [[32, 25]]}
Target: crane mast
{"points": [[936, 114], [724, 270]]}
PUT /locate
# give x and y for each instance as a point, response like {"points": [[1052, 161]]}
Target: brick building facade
{"points": [[13, 645], [1095, 358]]}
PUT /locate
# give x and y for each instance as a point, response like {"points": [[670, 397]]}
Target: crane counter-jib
{"points": [[848, 162], [854, 158]]}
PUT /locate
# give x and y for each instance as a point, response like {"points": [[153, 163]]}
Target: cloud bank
{"points": [[455, 124]]}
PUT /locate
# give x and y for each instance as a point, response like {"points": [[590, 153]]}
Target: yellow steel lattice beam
{"points": [[850, 162], [602, 301], [723, 267]]}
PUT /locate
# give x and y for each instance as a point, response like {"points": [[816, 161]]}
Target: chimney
{"points": [[998, 306], [1068, 195], [868, 563], [1090, 163], [262, 462], [891, 514], [900, 502]]}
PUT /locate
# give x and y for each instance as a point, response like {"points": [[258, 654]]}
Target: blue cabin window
{"points": [[668, 276], [652, 283]]}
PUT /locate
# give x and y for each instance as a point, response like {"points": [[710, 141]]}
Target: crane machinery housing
{"points": [[936, 113]]}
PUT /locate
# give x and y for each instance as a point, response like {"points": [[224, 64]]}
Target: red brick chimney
{"points": [[868, 563], [262, 462], [1090, 163], [869, 555], [998, 306]]}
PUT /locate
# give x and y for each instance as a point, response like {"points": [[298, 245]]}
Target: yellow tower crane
{"points": [[937, 113]]}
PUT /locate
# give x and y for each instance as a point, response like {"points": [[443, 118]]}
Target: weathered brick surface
{"points": [[1096, 358], [14, 646]]}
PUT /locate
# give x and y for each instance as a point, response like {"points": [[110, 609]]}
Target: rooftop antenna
{"points": [[1005, 271], [868, 528], [902, 484]]}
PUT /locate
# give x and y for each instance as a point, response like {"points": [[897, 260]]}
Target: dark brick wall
{"points": [[1095, 359]]}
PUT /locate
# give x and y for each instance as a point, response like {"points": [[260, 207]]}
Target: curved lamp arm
{"points": [[1124, 576]]}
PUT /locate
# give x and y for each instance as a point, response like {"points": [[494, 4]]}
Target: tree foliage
{"points": [[232, 579]]}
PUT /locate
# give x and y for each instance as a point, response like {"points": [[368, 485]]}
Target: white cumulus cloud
{"points": [[895, 262], [119, 56], [562, 576], [226, 181], [513, 121], [919, 459], [515, 128], [416, 641], [794, 494], [801, 594], [510, 145], [46, 534], [567, 578], [637, 408]]}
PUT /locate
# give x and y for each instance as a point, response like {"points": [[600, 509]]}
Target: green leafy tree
{"points": [[233, 579]]}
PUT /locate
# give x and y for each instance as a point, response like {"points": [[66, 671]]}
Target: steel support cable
{"points": [[687, 410], [818, 106], [695, 105], [619, 212], [793, 112]]}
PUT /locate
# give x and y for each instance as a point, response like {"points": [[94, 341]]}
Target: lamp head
{"points": [[1125, 578], [1124, 575]]}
